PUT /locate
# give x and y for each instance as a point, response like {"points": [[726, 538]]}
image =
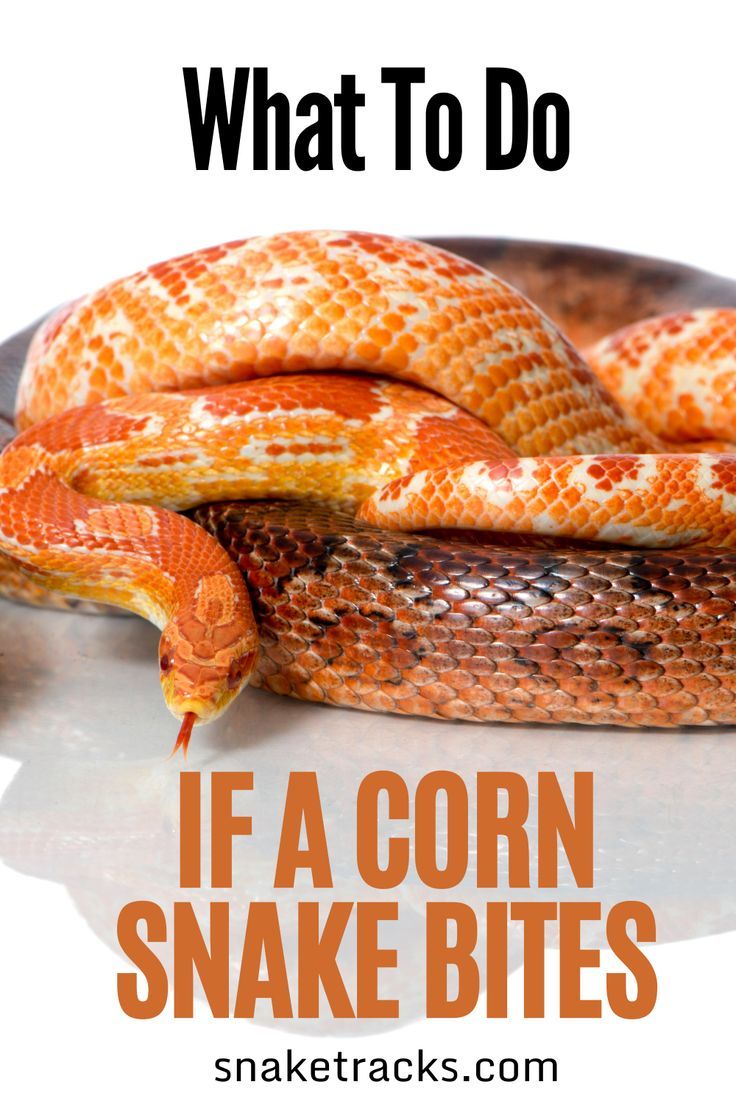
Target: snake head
{"points": [[207, 651], [205, 689]]}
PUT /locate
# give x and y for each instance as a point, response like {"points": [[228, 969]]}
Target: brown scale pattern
{"points": [[364, 302], [353, 616]]}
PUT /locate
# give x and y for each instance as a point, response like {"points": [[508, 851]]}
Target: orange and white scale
{"points": [[382, 376]]}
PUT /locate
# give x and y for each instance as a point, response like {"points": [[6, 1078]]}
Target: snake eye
{"points": [[238, 670], [164, 662]]}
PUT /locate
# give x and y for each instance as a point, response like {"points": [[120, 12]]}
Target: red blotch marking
{"points": [[120, 521], [724, 475], [610, 470], [345, 395], [84, 426], [465, 439]]}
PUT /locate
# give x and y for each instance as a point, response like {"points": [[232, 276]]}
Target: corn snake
{"points": [[406, 458]]}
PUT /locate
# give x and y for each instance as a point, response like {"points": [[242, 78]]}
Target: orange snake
{"points": [[148, 397]]}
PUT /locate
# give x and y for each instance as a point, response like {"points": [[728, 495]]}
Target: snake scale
{"points": [[215, 376], [446, 628]]}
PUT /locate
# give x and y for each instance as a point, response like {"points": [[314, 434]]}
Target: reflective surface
{"points": [[94, 804]]}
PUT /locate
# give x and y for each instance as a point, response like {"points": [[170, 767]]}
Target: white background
{"points": [[98, 179]]}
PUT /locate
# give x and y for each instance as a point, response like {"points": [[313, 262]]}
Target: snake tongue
{"points": [[185, 733]]}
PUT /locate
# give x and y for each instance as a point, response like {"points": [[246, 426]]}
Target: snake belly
{"points": [[351, 615]]}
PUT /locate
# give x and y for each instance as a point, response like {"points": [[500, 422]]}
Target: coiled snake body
{"points": [[149, 397]]}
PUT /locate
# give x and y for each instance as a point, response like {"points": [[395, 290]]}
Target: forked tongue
{"points": [[185, 734]]}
